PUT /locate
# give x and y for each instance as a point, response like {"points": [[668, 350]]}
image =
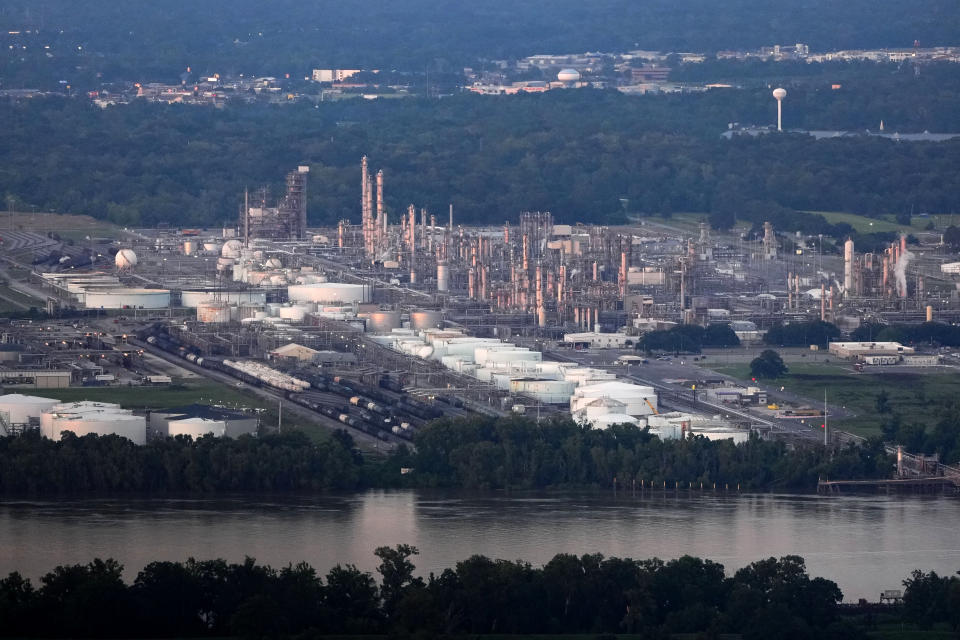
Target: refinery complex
{"points": [[381, 326]]}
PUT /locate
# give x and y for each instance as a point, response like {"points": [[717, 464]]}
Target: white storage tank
{"points": [[126, 298], [637, 400], [189, 247], [100, 418], [293, 314], [607, 420], [383, 321], [329, 292], [420, 320], [196, 427], [19, 409], [213, 311], [545, 391]]}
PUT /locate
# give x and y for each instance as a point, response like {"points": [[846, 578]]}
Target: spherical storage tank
{"points": [[125, 259], [329, 292], [383, 321], [420, 320], [231, 249], [568, 75], [294, 314], [213, 311]]}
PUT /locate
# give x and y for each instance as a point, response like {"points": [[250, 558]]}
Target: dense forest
{"points": [[589, 594], [519, 453], [466, 453], [586, 155], [145, 39]]}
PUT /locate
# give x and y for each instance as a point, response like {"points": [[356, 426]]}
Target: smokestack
{"points": [[412, 229], [471, 283], [484, 272], [381, 214], [340, 234], [526, 253], [886, 270], [823, 303], [623, 275], [929, 313], [451, 217], [246, 218]]}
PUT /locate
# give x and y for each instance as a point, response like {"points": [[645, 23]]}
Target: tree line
{"points": [[586, 155], [569, 594], [470, 453], [479, 453], [109, 42]]}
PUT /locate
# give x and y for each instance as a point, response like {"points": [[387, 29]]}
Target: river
{"points": [[864, 543]]}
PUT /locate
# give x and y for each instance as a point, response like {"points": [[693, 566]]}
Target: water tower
{"points": [[779, 94]]}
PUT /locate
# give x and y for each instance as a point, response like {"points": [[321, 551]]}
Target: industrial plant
{"points": [[381, 326]]}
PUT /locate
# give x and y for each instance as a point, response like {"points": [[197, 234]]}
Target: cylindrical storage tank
{"points": [[189, 247], [18, 409], [196, 427], [546, 391], [100, 418], [260, 315], [278, 279], [224, 264], [127, 299], [420, 320], [273, 263], [383, 321], [294, 314], [329, 292], [443, 277], [211, 247], [213, 311]]}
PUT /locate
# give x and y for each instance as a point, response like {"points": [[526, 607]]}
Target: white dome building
{"points": [[568, 76]]}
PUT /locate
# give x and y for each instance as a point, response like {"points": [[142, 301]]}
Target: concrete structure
{"points": [[36, 378], [198, 420], [596, 340], [862, 349], [293, 351], [100, 418]]}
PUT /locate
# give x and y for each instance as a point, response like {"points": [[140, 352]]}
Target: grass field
{"points": [[864, 224], [195, 391], [918, 397], [68, 226]]}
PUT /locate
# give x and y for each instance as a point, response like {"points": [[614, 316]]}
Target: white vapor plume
{"points": [[900, 271]]}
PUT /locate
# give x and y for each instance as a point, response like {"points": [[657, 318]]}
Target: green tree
{"points": [[768, 364]]}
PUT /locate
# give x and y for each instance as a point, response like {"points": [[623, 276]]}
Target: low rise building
{"points": [[859, 350]]}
